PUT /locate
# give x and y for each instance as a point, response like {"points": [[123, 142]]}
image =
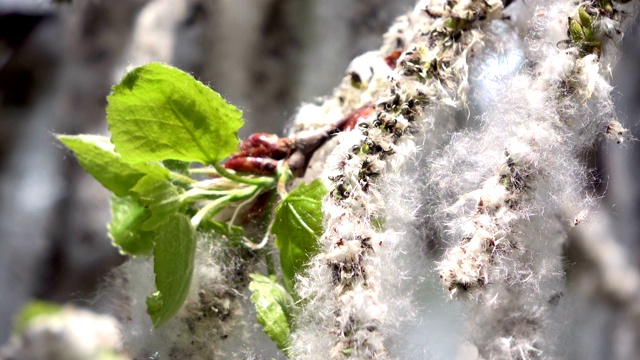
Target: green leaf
{"points": [[298, 226], [159, 113], [173, 265], [125, 229], [33, 310], [96, 155], [180, 167], [159, 196], [274, 307]]}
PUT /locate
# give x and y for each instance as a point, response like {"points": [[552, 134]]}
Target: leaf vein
{"points": [[300, 220]]}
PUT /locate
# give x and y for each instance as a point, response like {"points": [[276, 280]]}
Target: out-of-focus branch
{"points": [[601, 267]]}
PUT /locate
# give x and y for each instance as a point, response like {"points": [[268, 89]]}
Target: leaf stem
{"points": [[209, 209], [253, 196], [213, 207], [199, 194], [284, 175], [262, 181]]}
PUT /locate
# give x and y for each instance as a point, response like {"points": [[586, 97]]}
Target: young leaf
{"points": [[31, 311], [159, 113], [273, 307], [125, 229], [159, 196], [180, 167], [298, 226], [173, 265], [97, 157]]}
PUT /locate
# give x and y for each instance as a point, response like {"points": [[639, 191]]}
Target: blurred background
{"points": [[59, 59]]}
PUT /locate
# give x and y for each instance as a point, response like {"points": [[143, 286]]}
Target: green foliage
{"points": [[157, 195], [174, 252], [96, 155], [159, 113], [274, 307], [180, 167], [125, 229], [31, 311], [162, 120], [298, 226]]}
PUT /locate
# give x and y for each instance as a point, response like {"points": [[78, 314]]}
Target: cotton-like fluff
{"points": [[217, 319], [504, 228], [507, 191], [355, 294]]}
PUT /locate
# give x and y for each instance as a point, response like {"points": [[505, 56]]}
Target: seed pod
{"points": [[575, 31], [585, 18]]}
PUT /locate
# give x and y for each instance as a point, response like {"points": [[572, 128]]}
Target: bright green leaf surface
{"points": [[97, 157], [298, 226], [180, 167], [273, 307], [126, 230], [159, 196], [159, 112], [31, 311], [173, 265]]}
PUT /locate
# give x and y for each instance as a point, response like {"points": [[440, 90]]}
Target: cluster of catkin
{"points": [[351, 305], [499, 196]]}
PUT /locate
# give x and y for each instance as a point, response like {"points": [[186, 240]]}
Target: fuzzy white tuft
{"points": [[507, 191], [356, 292]]}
